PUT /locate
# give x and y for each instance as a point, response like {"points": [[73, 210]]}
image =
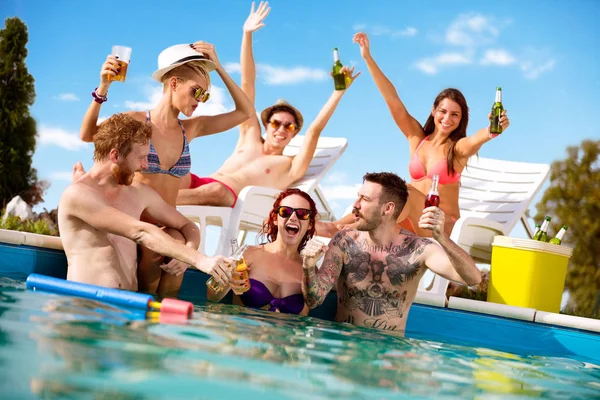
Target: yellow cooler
{"points": [[528, 273]]}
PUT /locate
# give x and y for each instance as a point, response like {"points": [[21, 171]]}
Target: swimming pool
{"points": [[59, 346]]}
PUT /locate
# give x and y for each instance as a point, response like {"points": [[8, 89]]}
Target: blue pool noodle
{"points": [[123, 298]]}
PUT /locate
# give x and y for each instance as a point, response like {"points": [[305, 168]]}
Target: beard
{"points": [[367, 224], [121, 175]]}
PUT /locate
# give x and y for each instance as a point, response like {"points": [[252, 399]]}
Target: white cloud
{"points": [[233, 68], [61, 176], [67, 97], [154, 93], [532, 71], [341, 192], [59, 137], [497, 57], [216, 104], [337, 186], [273, 75], [100, 120], [432, 65], [382, 30], [471, 30], [534, 62], [408, 31], [475, 34]]}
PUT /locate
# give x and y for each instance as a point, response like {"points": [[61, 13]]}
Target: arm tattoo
{"points": [[316, 284]]}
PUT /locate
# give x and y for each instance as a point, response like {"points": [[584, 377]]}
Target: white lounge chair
{"points": [[494, 196], [255, 202]]}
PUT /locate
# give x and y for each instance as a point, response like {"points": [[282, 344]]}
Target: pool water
{"points": [[54, 346]]}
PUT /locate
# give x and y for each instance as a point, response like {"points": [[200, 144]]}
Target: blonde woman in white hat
{"points": [[184, 72], [257, 160]]}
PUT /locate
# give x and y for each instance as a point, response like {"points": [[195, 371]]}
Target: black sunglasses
{"points": [[286, 212]]}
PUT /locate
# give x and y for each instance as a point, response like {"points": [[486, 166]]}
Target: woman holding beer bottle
{"points": [[440, 147], [275, 267], [184, 72]]}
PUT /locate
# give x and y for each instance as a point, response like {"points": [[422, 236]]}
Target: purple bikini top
{"points": [[259, 296]]}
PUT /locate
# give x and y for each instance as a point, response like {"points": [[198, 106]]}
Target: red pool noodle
{"points": [[174, 306]]}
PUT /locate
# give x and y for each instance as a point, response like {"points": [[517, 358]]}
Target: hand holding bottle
{"points": [[240, 281], [349, 76], [433, 219], [312, 252], [504, 123]]}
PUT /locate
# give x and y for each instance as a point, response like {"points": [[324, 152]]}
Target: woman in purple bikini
{"points": [[275, 267]]}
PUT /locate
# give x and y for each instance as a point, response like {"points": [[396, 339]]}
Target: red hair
{"points": [[270, 228]]}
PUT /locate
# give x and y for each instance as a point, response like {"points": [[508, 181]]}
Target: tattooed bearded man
{"points": [[377, 267]]}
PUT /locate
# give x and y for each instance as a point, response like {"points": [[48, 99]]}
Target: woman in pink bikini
{"points": [[183, 71], [440, 147]]}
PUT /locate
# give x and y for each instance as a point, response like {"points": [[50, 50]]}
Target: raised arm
{"points": [[448, 259], [80, 202], [407, 124], [90, 119], [248, 68], [470, 145], [302, 160], [244, 109], [317, 283]]}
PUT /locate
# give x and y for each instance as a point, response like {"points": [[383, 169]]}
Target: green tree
{"points": [[17, 126], [573, 199]]}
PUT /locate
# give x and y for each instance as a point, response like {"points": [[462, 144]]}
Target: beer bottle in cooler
{"points": [[339, 79], [537, 229], [433, 197], [497, 109], [542, 234], [558, 238]]}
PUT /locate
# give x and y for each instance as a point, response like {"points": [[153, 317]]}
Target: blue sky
{"points": [[544, 54]]}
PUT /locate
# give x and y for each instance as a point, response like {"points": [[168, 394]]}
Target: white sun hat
{"points": [[179, 54]]}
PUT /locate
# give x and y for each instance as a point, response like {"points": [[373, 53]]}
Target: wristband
{"points": [[98, 98], [492, 135]]}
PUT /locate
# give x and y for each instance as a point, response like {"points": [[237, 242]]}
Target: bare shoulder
{"points": [[138, 115], [342, 238], [252, 251], [76, 191], [407, 236], [76, 196]]}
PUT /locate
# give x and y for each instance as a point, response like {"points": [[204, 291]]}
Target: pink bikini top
{"points": [[417, 170]]}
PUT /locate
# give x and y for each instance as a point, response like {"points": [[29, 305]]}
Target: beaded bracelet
{"points": [[98, 98]]}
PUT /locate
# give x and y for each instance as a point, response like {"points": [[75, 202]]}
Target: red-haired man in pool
{"points": [[99, 215]]}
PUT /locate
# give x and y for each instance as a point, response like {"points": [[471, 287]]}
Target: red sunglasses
{"points": [[301, 213], [288, 126]]}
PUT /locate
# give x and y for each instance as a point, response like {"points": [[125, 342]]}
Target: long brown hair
{"points": [[460, 132], [270, 228]]}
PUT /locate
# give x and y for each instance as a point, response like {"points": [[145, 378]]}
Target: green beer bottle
{"points": [[542, 234], [537, 229], [497, 109], [339, 79], [558, 238]]}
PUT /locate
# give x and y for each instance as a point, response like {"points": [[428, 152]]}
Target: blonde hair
{"points": [[187, 71]]}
